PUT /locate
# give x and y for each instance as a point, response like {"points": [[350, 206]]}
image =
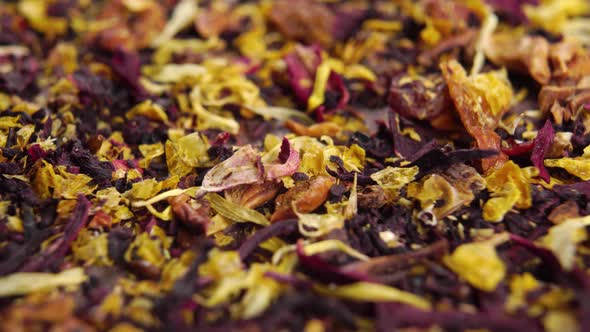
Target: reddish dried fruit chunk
{"points": [[306, 196], [254, 195], [191, 212], [307, 20], [423, 98], [131, 30], [480, 102], [525, 54]]}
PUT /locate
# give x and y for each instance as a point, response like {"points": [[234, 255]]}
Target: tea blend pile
{"points": [[295, 165]]}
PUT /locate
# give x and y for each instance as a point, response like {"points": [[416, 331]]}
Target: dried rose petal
{"points": [[541, 147], [525, 54], [242, 168], [245, 167], [289, 158]]}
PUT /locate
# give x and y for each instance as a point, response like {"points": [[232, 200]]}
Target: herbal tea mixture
{"points": [[388, 165]]}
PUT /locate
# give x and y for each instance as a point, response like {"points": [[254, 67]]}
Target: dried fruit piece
{"points": [[481, 101], [253, 195], [213, 21], [130, 28], [372, 197], [191, 212], [309, 20], [304, 197], [423, 98], [564, 102], [525, 54], [510, 187], [563, 212]]}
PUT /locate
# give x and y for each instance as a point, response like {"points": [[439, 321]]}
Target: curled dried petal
{"points": [[289, 158], [245, 167], [540, 149]]}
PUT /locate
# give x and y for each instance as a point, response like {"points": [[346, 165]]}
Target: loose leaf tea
{"points": [[311, 165]]}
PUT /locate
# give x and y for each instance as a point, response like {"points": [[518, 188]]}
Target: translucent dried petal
{"points": [[510, 187], [392, 179], [29, 282], [562, 239], [479, 264]]}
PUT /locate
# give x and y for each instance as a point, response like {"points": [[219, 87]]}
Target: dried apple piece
{"points": [[305, 197], [480, 100]]}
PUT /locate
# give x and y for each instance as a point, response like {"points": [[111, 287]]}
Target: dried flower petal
{"points": [[479, 264], [541, 146]]}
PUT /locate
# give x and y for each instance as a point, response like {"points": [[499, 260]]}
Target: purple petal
{"points": [[53, 255], [127, 66], [319, 269], [282, 227], [541, 145]]}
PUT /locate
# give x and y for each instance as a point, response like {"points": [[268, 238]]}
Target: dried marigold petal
{"points": [[479, 264], [510, 187]]}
